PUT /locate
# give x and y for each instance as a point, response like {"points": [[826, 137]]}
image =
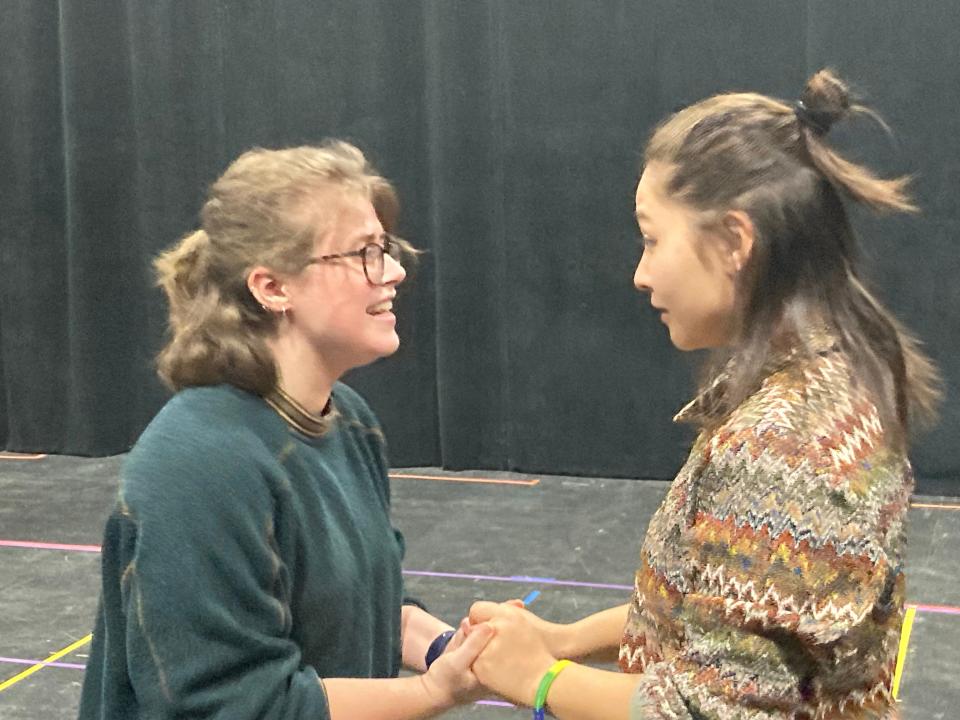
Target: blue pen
{"points": [[531, 596]]}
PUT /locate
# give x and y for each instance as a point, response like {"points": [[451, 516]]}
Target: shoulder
{"points": [[810, 427], [230, 406], [799, 403], [205, 440], [220, 418]]}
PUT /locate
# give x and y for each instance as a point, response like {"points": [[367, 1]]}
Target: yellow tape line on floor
{"points": [[902, 652], [40, 665]]}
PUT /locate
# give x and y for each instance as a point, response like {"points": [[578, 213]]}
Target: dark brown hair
{"points": [[771, 160], [254, 215]]}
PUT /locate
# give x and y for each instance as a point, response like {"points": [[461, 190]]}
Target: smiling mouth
{"points": [[381, 308]]}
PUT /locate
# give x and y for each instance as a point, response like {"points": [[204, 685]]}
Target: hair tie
{"points": [[817, 120]]}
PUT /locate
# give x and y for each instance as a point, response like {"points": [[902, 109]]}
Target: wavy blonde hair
{"points": [[254, 215]]}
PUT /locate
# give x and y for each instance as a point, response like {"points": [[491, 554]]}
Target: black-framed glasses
{"points": [[371, 255]]}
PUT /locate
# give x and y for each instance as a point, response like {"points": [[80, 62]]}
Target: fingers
{"points": [[515, 603], [473, 645], [457, 640], [484, 610]]}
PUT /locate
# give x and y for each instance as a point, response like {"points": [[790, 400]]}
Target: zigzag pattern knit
{"points": [[770, 582]]}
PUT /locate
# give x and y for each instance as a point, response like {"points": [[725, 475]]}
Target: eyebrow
{"points": [[368, 238], [354, 243]]}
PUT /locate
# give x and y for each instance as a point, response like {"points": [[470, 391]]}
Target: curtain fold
{"points": [[513, 132]]}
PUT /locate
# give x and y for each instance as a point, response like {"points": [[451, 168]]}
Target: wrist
{"points": [[543, 687], [560, 640], [532, 682], [438, 699]]}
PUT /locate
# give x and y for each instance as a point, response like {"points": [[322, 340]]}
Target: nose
{"points": [[641, 276], [393, 272]]}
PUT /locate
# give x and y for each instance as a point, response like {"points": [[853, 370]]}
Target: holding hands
{"points": [[521, 658], [521, 650], [450, 678]]}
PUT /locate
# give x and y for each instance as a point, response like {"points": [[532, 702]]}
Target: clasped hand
{"points": [[519, 652], [499, 647]]}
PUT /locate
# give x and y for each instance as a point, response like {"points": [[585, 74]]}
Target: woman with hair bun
{"points": [[771, 580], [250, 569]]}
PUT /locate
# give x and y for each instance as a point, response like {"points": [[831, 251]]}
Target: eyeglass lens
{"points": [[373, 258]]}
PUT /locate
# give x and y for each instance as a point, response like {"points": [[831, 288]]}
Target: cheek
{"points": [[716, 313], [705, 280], [671, 280], [724, 293], [330, 315], [697, 291]]}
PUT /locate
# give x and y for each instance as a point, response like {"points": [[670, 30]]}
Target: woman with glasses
{"points": [[250, 569], [771, 580]]}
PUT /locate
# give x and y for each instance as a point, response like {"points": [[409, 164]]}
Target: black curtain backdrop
{"points": [[513, 132]]}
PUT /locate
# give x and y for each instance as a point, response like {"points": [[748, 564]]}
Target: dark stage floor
{"points": [[469, 536]]}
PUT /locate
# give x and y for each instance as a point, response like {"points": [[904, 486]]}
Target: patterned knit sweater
{"points": [[771, 581]]}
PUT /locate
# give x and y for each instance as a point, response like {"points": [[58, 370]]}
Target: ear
{"points": [[738, 235], [267, 289]]}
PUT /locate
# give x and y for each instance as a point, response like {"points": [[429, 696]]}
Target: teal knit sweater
{"points": [[243, 561]]}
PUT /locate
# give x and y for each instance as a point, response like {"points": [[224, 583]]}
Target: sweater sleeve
{"points": [[787, 539], [792, 578], [204, 592]]}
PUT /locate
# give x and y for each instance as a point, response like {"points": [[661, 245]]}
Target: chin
{"points": [[691, 344], [371, 353], [681, 343], [699, 338], [386, 348], [684, 347]]}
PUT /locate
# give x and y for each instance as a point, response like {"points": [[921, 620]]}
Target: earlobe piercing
{"points": [[737, 261]]}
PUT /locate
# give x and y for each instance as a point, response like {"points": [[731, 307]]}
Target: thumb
{"points": [[482, 610]]}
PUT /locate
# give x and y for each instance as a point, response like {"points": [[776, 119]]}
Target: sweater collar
{"points": [[810, 341], [298, 417]]}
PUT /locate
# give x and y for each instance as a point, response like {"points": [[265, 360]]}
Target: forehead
{"points": [[341, 219], [650, 196]]}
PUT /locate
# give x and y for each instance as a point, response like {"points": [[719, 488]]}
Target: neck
{"points": [[301, 374]]}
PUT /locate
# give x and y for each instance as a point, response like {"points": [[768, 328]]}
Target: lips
{"points": [[385, 306]]}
